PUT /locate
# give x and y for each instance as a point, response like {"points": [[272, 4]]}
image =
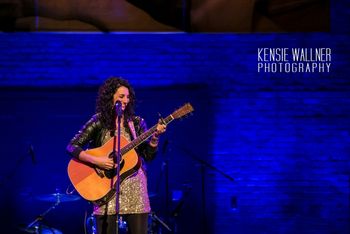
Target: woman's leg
{"points": [[105, 224], [137, 223]]}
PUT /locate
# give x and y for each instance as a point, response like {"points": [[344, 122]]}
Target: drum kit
{"points": [[155, 225], [38, 226]]}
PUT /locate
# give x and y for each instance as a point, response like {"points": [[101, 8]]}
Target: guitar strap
{"points": [[132, 128]]}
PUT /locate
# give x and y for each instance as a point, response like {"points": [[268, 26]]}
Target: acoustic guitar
{"points": [[97, 185]]}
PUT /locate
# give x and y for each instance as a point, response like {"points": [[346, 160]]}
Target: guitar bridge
{"points": [[99, 172]]}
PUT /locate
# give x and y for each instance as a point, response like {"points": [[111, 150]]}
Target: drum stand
{"points": [[39, 219], [154, 217]]}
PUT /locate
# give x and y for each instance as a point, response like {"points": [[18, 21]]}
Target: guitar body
{"points": [[94, 186]]}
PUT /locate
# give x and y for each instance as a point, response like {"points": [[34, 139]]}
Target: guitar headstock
{"points": [[184, 110]]}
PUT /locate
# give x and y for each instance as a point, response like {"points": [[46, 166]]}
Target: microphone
{"points": [[118, 108], [32, 154]]}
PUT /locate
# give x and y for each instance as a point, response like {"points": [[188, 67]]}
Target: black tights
{"points": [[137, 223]]}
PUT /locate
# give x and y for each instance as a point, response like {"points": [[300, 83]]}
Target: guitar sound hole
{"points": [[111, 173]]}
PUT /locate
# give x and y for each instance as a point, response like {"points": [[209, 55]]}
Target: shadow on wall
{"points": [[166, 15]]}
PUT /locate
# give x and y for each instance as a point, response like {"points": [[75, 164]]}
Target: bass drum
{"points": [[49, 230]]}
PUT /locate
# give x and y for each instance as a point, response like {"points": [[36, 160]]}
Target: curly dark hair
{"points": [[105, 105]]}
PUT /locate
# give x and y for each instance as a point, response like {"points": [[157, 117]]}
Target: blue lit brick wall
{"points": [[283, 138], [75, 59], [288, 151]]}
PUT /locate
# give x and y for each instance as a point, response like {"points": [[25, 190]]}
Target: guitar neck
{"points": [[144, 136]]}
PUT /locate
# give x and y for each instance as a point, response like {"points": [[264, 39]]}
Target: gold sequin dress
{"points": [[133, 192]]}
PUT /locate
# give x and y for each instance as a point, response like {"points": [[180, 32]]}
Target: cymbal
{"points": [[55, 197]]}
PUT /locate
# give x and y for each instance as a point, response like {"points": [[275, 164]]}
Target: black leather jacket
{"points": [[91, 134]]}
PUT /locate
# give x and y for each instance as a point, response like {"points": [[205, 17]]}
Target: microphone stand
{"points": [[14, 171], [204, 164], [167, 194], [117, 158], [166, 172]]}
